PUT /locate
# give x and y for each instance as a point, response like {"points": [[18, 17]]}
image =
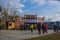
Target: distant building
{"points": [[22, 20], [40, 19], [30, 19], [17, 23]]}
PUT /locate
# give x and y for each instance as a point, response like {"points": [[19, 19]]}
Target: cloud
{"points": [[25, 1], [52, 2], [58, 10], [56, 18], [39, 2], [45, 10], [57, 15], [16, 3], [13, 3], [20, 10], [53, 18]]}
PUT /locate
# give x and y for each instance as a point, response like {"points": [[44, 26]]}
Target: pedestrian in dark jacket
{"points": [[39, 28], [55, 27], [43, 28]]}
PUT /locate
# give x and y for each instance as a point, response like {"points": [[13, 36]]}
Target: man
{"points": [[43, 28], [39, 28], [55, 27], [31, 27]]}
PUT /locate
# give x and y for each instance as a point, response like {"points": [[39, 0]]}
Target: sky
{"points": [[47, 8]]}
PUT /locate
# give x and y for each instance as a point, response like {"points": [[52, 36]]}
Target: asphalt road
{"points": [[19, 35]]}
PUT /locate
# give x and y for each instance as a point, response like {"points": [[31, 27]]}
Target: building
{"points": [[40, 19], [30, 19], [17, 23], [22, 20]]}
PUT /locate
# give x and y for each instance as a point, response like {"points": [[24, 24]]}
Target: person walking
{"points": [[0, 27], [55, 27], [31, 27], [46, 27], [39, 28], [43, 28]]}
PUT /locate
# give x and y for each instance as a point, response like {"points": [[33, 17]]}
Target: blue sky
{"points": [[41, 7]]}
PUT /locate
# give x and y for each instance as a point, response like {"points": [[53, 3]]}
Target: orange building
{"points": [[17, 23]]}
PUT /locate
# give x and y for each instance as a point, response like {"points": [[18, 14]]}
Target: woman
{"points": [[46, 28]]}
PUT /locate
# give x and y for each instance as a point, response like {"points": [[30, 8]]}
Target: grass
{"points": [[55, 36]]}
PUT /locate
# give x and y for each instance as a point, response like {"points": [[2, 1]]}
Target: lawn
{"points": [[55, 36]]}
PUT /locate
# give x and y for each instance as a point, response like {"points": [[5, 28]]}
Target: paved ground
{"points": [[19, 35]]}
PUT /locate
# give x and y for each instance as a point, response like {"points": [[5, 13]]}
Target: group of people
{"points": [[44, 27]]}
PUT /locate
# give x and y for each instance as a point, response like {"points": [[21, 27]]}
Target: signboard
{"points": [[30, 20]]}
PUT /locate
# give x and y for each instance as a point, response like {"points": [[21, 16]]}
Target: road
{"points": [[19, 35]]}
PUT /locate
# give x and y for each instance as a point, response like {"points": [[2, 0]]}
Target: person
{"points": [[55, 27], [43, 28], [39, 28], [7, 25], [46, 27], [24, 27], [21, 27], [31, 27], [0, 27]]}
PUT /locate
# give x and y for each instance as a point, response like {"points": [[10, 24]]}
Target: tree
{"points": [[0, 9]]}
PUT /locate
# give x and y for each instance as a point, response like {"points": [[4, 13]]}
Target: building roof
{"points": [[30, 16]]}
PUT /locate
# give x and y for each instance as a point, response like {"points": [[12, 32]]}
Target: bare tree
{"points": [[0, 9]]}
